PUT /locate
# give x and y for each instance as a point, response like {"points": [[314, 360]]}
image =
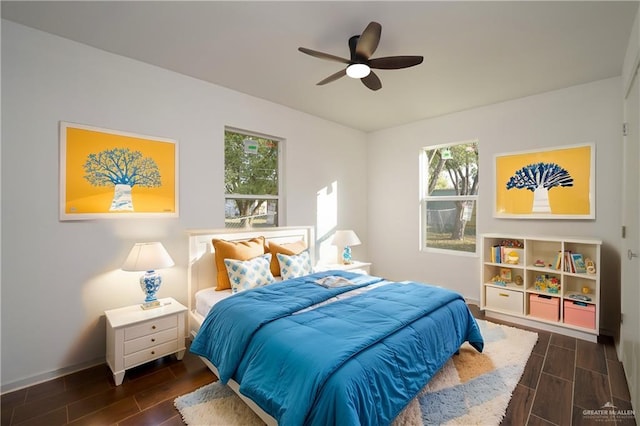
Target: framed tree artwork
{"points": [[113, 174], [556, 183]]}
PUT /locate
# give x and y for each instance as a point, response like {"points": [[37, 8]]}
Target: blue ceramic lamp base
{"points": [[346, 256], [150, 284]]}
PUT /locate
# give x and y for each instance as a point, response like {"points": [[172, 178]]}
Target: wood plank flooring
{"points": [[563, 378]]}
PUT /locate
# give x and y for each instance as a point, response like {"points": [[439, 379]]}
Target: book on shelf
{"points": [[578, 262], [569, 266], [496, 254], [557, 263]]}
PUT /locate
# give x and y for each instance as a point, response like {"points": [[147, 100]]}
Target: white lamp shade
{"points": [[345, 238], [147, 257]]}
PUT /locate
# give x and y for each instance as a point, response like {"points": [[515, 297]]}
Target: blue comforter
{"points": [[239, 317], [355, 361]]}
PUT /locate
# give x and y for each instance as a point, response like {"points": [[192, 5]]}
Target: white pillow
{"points": [[295, 265], [248, 274]]}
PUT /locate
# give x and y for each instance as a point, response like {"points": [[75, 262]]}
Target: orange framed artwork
{"points": [[113, 174], [556, 183]]}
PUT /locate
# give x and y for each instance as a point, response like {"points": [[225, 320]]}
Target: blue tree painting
{"points": [[123, 169], [539, 178]]}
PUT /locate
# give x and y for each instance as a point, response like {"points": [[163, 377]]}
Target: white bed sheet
{"points": [[205, 299]]}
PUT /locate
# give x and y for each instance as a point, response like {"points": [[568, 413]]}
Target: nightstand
{"points": [[136, 336], [354, 266]]}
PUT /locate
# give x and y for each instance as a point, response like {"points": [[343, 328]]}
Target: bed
{"points": [[299, 351]]}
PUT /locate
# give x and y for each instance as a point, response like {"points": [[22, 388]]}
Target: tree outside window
{"points": [[450, 193], [251, 180]]}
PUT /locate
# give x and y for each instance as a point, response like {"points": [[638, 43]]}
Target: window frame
{"points": [[424, 198], [280, 213]]}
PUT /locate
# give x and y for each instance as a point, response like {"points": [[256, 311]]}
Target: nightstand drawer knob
{"points": [[153, 327], [153, 352], [153, 340]]}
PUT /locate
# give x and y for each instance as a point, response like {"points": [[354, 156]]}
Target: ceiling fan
{"points": [[360, 65]]}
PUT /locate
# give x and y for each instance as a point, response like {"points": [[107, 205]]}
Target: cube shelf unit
{"points": [[544, 307]]}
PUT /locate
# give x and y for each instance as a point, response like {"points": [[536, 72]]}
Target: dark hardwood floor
{"points": [[565, 380]]}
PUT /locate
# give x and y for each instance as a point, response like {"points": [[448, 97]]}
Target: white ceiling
{"points": [[476, 53]]}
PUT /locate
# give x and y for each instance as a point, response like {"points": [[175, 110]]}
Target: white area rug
{"points": [[471, 388]]}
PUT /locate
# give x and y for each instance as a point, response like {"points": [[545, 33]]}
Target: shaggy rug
{"points": [[471, 388]]}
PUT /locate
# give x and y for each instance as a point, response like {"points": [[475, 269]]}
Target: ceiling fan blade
{"points": [[332, 77], [372, 81], [323, 55], [395, 62], [369, 39]]}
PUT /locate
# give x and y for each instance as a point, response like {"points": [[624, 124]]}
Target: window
{"points": [[251, 180], [449, 188]]}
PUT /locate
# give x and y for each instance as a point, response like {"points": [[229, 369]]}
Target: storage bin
{"points": [[505, 300], [544, 307], [577, 314]]}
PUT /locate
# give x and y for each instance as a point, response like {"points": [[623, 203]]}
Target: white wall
{"points": [[59, 277], [580, 114]]}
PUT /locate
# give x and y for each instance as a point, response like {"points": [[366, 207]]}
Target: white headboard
{"points": [[202, 271]]}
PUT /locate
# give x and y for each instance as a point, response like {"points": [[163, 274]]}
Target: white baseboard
{"points": [[45, 377], [471, 301]]}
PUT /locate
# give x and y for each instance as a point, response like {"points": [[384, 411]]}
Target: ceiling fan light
{"points": [[358, 70]]}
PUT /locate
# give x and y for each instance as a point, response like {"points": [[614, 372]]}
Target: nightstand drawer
{"points": [[503, 299], [150, 354], [144, 342], [149, 327]]}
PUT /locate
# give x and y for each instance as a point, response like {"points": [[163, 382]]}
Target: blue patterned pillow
{"points": [[294, 266], [248, 274]]}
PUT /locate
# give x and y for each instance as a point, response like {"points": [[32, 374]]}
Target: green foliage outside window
{"points": [[451, 189], [251, 180]]}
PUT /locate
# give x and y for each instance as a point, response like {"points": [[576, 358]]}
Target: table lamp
{"points": [[346, 239], [148, 257]]}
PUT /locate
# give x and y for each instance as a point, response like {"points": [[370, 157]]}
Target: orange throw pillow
{"points": [[289, 249], [238, 250]]}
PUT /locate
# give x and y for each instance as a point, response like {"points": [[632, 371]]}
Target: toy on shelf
{"points": [[512, 244], [539, 263], [591, 267], [547, 284], [518, 280], [580, 297], [511, 251], [513, 257], [497, 280]]}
